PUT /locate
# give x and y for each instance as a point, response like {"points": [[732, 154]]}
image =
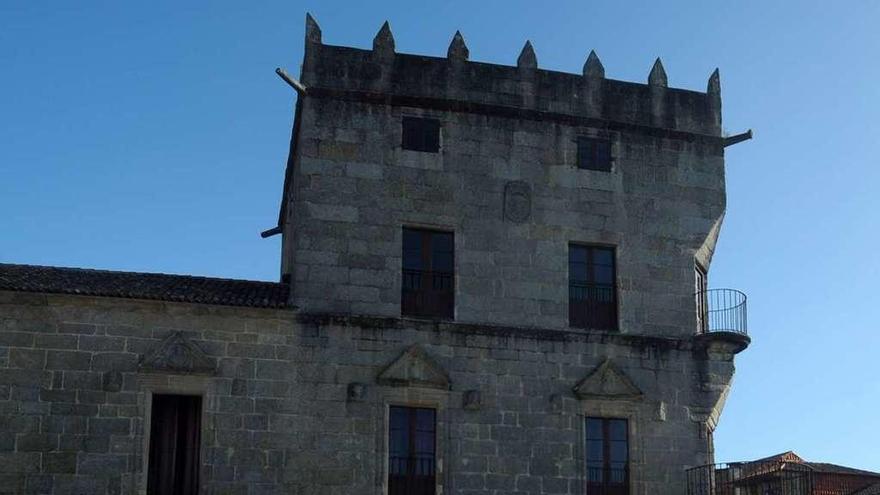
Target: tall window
{"points": [[175, 427], [411, 451], [421, 134], [607, 457], [594, 154], [700, 295], [428, 286], [592, 294]]}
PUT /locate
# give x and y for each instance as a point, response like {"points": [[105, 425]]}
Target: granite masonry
{"points": [[506, 176]]}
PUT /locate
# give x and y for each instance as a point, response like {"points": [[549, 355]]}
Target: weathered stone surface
{"points": [[527, 58], [517, 201], [657, 77], [176, 354], [607, 382], [458, 50], [414, 368], [593, 67]]}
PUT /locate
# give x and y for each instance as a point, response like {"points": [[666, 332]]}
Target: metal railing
{"points": [[722, 310], [411, 475], [607, 481], [772, 478], [592, 305], [428, 293]]}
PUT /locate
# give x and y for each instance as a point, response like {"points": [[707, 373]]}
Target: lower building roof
{"points": [[150, 286]]}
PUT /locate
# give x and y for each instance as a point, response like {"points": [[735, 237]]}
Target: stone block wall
{"points": [[295, 404], [353, 188]]}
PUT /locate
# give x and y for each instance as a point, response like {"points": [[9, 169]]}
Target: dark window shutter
{"points": [[421, 134], [594, 154]]}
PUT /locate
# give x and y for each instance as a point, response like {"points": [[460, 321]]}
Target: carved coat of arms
{"points": [[517, 201]]}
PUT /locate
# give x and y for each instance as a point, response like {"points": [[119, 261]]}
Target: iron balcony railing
{"points": [[411, 475], [592, 305], [722, 310], [607, 481], [428, 294], [773, 478]]}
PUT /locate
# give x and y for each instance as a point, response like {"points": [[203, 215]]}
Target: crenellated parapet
{"points": [[456, 82]]}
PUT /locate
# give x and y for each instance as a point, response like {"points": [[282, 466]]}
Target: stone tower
{"points": [[571, 207]]}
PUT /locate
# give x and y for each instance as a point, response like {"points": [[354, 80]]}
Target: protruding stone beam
{"points": [[383, 43], [527, 58], [657, 77], [298, 86], [593, 68], [458, 50], [731, 140], [313, 30]]}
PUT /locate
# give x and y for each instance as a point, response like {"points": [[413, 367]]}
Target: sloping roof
{"points": [[871, 490], [152, 286], [822, 467]]}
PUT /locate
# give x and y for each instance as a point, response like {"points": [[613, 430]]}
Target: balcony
{"points": [[428, 294], [775, 477], [722, 318]]}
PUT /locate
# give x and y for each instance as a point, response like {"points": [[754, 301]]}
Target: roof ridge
{"points": [[130, 272], [144, 285]]}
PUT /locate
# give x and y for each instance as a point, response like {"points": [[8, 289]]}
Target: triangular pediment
{"points": [[607, 382], [177, 354], [414, 368]]}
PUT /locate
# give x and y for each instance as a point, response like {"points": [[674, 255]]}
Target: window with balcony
{"points": [[607, 455], [421, 134], [594, 154], [428, 286], [411, 451], [592, 291]]}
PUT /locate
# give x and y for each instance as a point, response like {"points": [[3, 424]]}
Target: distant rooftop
{"points": [[150, 286], [822, 467]]}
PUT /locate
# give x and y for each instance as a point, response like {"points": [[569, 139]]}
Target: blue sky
{"points": [[152, 136]]}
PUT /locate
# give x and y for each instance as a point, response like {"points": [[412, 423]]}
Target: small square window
{"points": [[421, 134], [594, 154]]}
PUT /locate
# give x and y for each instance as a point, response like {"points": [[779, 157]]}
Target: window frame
{"points": [[597, 161], [613, 319], [701, 299], [434, 298], [608, 488], [412, 428], [429, 130]]}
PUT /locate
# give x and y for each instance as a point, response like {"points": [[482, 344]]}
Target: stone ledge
{"points": [[547, 334]]}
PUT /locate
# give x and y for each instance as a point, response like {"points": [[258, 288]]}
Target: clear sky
{"points": [[152, 136]]}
